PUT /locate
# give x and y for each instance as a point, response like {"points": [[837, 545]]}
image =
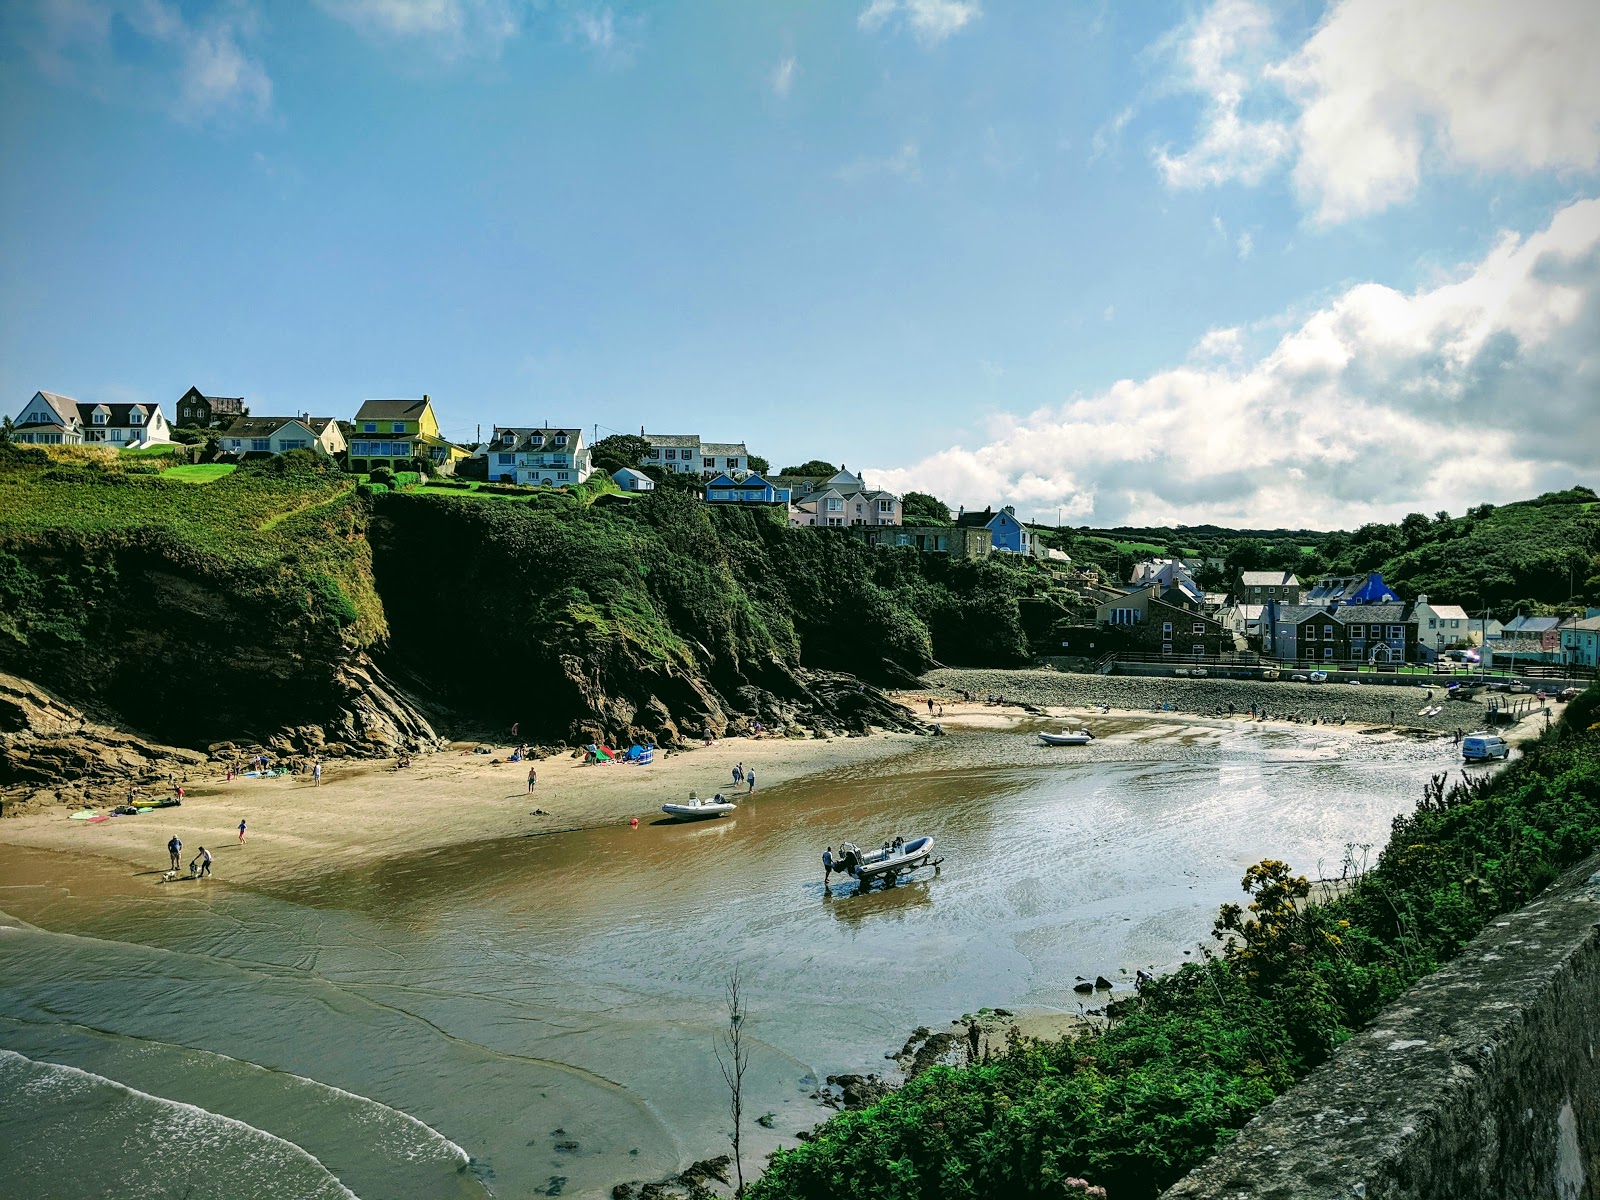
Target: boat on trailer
{"points": [[887, 862], [1079, 737], [695, 809]]}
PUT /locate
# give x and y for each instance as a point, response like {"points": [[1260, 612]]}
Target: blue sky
{"points": [[1054, 254]]}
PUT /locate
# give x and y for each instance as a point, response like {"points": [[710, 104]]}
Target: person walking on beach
{"points": [[827, 865], [203, 862], [174, 849], [316, 773], [750, 780], [241, 831], [736, 776], [533, 777]]}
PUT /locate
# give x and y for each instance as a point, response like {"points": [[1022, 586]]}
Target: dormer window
{"points": [[561, 439], [99, 416], [508, 437], [135, 417], [536, 439]]}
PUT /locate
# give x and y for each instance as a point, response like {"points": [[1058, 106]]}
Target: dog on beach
{"points": [[168, 876]]}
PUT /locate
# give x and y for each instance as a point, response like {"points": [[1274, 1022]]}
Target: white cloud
{"points": [[1223, 52], [1245, 244], [904, 163], [1379, 92], [1379, 403], [782, 77], [141, 51], [930, 20], [1107, 137], [451, 27]]}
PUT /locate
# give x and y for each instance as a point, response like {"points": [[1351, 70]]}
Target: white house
{"points": [[49, 420], [278, 435], [52, 420], [842, 499], [1439, 627], [544, 457], [686, 454], [630, 480]]}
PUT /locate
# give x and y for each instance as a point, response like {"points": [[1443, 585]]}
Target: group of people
{"points": [[748, 778], [200, 866]]}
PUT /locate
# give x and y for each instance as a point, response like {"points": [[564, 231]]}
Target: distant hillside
{"points": [[1537, 556]]}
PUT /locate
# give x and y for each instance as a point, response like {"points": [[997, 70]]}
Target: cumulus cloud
{"points": [[782, 77], [452, 27], [930, 20], [197, 68], [1480, 388], [1222, 55], [1379, 91]]}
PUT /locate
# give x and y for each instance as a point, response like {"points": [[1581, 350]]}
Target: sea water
{"points": [[536, 1015]]}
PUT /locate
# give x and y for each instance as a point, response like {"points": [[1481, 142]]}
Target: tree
{"points": [[611, 454], [734, 1059], [7, 431], [758, 464], [814, 467], [918, 507]]}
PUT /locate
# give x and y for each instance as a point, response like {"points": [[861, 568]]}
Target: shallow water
{"points": [[537, 1013]]}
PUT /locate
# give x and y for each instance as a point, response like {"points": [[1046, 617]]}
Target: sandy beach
{"points": [[371, 809], [366, 810]]}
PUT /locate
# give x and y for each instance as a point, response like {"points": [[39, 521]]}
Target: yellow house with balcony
{"points": [[391, 434]]}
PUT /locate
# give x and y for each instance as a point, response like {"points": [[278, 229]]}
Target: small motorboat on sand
{"points": [[887, 862], [695, 809], [1080, 737]]}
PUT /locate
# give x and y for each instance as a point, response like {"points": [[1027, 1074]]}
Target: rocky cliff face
{"points": [[49, 747]]}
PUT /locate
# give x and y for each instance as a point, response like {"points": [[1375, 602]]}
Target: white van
{"points": [[1483, 747]]}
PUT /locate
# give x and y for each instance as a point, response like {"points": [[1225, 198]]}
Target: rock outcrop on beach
{"points": [[47, 746]]}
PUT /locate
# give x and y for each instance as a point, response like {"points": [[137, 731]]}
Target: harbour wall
{"points": [[1482, 1081]]}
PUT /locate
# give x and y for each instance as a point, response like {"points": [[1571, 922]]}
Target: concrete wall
{"points": [[1482, 1081]]}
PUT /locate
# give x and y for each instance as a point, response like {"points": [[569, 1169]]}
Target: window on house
{"points": [[708, 464], [561, 439], [99, 418], [505, 459], [1166, 628], [886, 506], [670, 453], [732, 463], [1395, 631], [260, 444], [835, 520], [397, 426], [563, 475], [136, 418], [369, 427], [654, 453], [1327, 652], [1198, 628], [835, 504], [1327, 632], [1197, 650], [1166, 647], [297, 444]]}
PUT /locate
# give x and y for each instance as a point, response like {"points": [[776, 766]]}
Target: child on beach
{"points": [[241, 831]]}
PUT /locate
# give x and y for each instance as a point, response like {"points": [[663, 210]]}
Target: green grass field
{"points": [[151, 451], [198, 472]]}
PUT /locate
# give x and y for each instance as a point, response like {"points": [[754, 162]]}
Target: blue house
{"points": [[1351, 589], [1008, 532], [752, 489]]}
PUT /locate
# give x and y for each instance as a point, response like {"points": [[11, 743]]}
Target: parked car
{"points": [[1570, 693]]}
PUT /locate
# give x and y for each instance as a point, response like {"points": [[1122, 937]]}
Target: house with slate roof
{"points": [[752, 489], [1333, 635], [279, 435], [543, 456], [631, 480], [49, 419], [1009, 534], [1439, 627], [1350, 589], [686, 454], [208, 412], [840, 501], [390, 434], [1257, 587]]}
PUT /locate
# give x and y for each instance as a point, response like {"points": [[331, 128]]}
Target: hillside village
{"points": [[1159, 612]]}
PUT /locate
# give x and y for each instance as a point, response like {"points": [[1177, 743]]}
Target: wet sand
{"points": [[365, 811]]}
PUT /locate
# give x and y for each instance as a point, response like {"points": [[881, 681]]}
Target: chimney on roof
{"points": [[425, 397]]}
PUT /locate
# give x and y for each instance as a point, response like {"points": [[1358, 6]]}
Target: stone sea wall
{"points": [[1482, 1081]]}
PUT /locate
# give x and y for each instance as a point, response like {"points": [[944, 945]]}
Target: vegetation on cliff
{"points": [[664, 615], [192, 611], [1179, 1069]]}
